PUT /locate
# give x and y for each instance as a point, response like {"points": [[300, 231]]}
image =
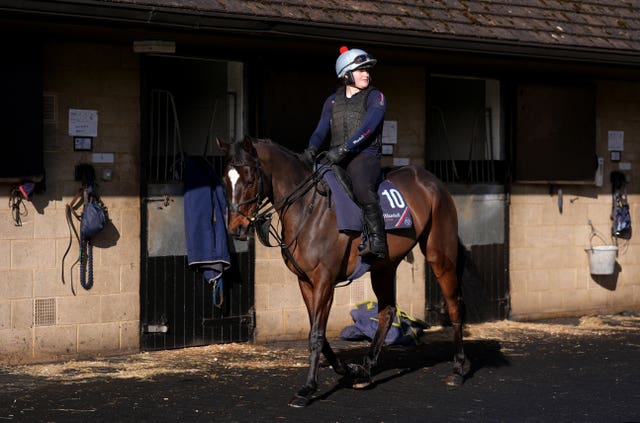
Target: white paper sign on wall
{"points": [[83, 123], [390, 132], [615, 140]]}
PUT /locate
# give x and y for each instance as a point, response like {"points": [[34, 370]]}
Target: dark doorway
{"points": [[186, 104], [466, 150], [291, 100], [21, 112]]}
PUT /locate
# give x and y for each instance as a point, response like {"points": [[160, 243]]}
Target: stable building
{"points": [[524, 110]]}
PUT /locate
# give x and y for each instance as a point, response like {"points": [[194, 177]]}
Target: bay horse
{"points": [[258, 172]]}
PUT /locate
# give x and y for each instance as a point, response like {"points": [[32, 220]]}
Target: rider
{"points": [[354, 115]]}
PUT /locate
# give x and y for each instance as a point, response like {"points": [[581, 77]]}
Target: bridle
{"points": [[262, 214], [259, 198]]}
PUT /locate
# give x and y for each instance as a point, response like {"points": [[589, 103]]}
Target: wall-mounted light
{"points": [[154, 46]]}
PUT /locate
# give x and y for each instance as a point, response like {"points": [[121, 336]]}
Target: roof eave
{"points": [[452, 43], [164, 17]]}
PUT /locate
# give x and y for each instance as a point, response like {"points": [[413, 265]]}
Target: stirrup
{"points": [[366, 250]]}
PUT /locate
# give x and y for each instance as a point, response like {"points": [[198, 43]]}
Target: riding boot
{"points": [[376, 244]]}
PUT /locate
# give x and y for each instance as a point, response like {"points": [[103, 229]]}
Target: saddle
{"points": [[394, 207]]}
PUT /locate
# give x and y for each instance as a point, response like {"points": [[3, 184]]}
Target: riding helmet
{"points": [[352, 59]]}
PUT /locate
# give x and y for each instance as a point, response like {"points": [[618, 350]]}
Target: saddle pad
{"points": [[394, 207]]}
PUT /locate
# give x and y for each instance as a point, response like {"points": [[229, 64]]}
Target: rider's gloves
{"points": [[337, 154], [308, 156]]}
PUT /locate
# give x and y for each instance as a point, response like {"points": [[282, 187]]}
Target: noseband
{"points": [[261, 219], [259, 197]]}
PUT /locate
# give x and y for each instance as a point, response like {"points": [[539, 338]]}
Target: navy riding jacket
{"points": [[363, 139]]}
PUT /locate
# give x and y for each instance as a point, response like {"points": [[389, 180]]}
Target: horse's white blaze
{"points": [[233, 178]]}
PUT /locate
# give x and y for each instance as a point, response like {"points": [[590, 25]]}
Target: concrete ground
{"points": [[584, 370]]}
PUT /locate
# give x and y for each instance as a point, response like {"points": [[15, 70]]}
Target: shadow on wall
{"points": [[108, 237], [39, 202], [609, 282]]}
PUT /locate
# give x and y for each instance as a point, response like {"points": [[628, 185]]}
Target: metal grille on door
{"points": [[177, 305]]}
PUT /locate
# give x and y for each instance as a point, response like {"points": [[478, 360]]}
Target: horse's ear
{"points": [[247, 144], [223, 146]]}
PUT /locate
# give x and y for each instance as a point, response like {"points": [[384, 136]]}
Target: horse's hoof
{"points": [[362, 382], [299, 402], [454, 380], [356, 371], [361, 377], [340, 369]]}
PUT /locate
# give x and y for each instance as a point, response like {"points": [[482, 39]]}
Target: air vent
{"points": [[49, 108], [44, 313], [357, 291]]}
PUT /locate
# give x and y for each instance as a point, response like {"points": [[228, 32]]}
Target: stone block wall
{"points": [[40, 318], [407, 107], [549, 268]]}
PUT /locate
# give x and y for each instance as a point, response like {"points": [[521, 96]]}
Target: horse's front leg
{"points": [[318, 299], [383, 284]]}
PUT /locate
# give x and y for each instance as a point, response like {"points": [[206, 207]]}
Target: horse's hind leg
{"points": [[338, 365], [383, 284], [445, 270]]}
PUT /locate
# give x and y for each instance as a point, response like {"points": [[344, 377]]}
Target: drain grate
{"points": [[44, 313]]}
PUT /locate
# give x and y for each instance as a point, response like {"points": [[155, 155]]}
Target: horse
{"points": [[258, 172]]}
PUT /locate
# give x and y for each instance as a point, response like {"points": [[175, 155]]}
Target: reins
{"points": [[297, 193], [261, 218], [70, 212]]}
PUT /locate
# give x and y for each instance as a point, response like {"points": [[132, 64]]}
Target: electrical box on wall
{"points": [[102, 158], [82, 143]]}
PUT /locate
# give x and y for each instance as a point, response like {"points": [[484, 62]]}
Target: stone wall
{"points": [[549, 268], [40, 318]]}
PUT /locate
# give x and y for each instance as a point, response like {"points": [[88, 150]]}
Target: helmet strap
{"points": [[348, 80]]}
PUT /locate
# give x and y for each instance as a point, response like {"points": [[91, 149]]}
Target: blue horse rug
{"points": [[204, 212], [405, 330]]}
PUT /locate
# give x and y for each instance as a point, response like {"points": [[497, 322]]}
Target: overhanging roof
{"points": [[603, 31]]}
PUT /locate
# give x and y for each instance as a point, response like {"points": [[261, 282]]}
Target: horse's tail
{"points": [[470, 284]]}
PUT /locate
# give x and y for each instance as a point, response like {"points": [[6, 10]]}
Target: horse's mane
{"points": [[280, 147]]}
